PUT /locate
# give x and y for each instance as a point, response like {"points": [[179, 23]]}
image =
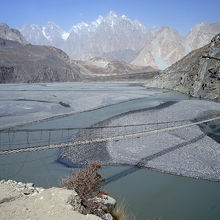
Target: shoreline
{"points": [[48, 116], [116, 159], [103, 123], [20, 200]]}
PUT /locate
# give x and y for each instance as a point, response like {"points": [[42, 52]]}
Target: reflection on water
{"points": [[149, 194]]}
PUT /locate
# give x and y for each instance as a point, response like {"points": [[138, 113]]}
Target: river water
{"points": [[146, 193]]}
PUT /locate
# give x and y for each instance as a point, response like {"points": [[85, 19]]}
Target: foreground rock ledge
{"points": [[27, 202]]}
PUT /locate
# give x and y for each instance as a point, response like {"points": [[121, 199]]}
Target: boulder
{"points": [[107, 201]]}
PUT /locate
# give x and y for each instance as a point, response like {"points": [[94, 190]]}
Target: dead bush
{"points": [[88, 185]]}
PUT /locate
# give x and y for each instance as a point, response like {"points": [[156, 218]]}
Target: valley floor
{"points": [[192, 151]]}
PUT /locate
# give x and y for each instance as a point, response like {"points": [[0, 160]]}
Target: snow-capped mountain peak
{"points": [[65, 35], [44, 33], [112, 14], [50, 34], [80, 26], [99, 20], [52, 25], [104, 35], [119, 37], [125, 17]]}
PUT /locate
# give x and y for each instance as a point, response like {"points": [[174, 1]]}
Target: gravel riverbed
{"points": [[186, 151]]}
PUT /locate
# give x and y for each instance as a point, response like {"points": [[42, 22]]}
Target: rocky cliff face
{"points": [[111, 35], [167, 46], [11, 34], [29, 63], [201, 35], [121, 38], [51, 34], [197, 74], [105, 35]]}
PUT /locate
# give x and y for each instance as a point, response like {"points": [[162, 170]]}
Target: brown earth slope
{"points": [[23, 62], [105, 69], [30, 63]]}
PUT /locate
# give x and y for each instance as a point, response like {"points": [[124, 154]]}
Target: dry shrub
{"points": [[88, 185], [120, 212]]}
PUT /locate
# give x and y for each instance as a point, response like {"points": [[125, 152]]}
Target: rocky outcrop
{"points": [[107, 201], [11, 34], [197, 74], [25, 201]]}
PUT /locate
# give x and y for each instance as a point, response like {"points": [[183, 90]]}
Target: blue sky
{"points": [[181, 15]]}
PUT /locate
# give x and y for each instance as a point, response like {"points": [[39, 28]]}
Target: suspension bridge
{"points": [[28, 140]]}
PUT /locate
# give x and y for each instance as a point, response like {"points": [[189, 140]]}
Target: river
{"points": [[147, 193]]}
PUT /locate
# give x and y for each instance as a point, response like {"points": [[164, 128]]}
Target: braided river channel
{"points": [[52, 113]]}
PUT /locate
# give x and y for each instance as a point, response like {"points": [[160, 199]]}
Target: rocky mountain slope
{"points": [[121, 38], [31, 63], [107, 66], [11, 34], [168, 46], [110, 34], [51, 34], [107, 69], [197, 74], [165, 48], [201, 35]]}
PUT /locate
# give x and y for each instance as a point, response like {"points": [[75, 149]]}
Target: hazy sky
{"points": [[179, 14]]}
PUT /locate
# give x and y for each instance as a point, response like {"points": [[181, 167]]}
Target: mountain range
{"points": [[8, 33], [197, 74], [23, 62], [168, 46], [112, 34], [32, 63], [119, 37]]}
